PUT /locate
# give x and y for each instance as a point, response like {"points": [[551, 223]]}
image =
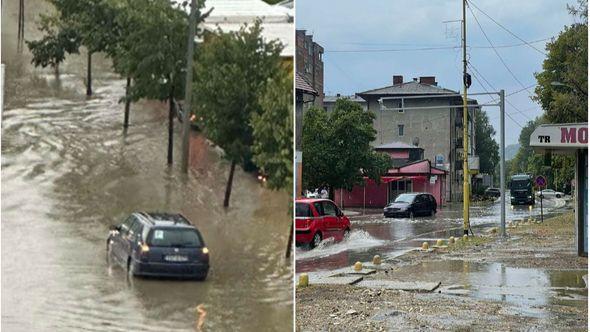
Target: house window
{"points": [[400, 129]]}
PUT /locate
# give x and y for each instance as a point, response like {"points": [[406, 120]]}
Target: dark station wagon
{"points": [[159, 245]]}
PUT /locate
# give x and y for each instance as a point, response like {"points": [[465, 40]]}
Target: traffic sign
{"points": [[540, 181]]}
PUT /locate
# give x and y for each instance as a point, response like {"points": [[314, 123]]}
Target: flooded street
{"points": [[390, 237], [69, 172]]}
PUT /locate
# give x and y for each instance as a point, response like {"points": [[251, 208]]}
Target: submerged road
{"points": [[69, 172], [390, 237]]}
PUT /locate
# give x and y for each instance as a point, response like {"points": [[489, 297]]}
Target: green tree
{"points": [[336, 148], [94, 22], [273, 137], [152, 53], [273, 133], [562, 87], [559, 170], [485, 146], [58, 40], [521, 160], [232, 73]]}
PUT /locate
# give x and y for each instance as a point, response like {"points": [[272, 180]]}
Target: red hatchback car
{"points": [[317, 219]]}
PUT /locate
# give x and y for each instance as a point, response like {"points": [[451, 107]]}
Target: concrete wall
{"points": [[435, 129], [431, 126]]}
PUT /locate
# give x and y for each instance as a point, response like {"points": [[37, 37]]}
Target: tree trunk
{"points": [[290, 241], [229, 184], [127, 103], [170, 128], [89, 75]]}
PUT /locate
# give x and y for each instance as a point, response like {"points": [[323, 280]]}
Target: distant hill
{"points": [[511, 151]]}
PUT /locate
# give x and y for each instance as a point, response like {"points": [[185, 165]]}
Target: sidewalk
{"points": [[534, 280]]}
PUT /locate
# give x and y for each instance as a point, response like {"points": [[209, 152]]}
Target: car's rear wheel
{"points": [[317, 239], [557, 196]]}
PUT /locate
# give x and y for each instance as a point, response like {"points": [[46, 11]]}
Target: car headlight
{"points": [[530, 196], [511, 197]]}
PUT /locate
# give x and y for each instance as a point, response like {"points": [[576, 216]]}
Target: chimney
{"points": [[398, 79], [430, 80]]}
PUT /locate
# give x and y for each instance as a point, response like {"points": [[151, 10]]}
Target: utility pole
{"points": [[466, 83], [186, 126], [502, 165]]}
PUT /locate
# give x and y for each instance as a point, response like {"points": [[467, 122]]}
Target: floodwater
{"points": [[69, 172], [391, 237], [527, 290]]}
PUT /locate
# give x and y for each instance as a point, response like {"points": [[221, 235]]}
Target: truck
{"points": [[521, 190]]}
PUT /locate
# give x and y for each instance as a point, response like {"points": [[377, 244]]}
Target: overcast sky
{"points": [[353, 26]]}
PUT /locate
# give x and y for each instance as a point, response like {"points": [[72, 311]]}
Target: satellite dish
{"points": [[416, 141]]}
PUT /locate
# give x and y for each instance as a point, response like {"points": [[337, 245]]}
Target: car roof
{"points": [[312, 200], [164, 219], [417, 193]]}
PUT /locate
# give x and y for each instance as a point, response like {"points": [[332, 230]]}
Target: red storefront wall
{"points": [[374, 195]]}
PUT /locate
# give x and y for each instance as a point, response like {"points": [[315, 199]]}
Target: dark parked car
{"points": [[410, 205], [491, 193], [159, 244]]}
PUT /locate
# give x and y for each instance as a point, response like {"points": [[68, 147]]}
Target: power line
{"points": [[493, 88], [496, 51], [333, 63], [506, 29], [512, 93], [427, 48]]}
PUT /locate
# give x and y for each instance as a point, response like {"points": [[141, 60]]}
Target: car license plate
{"points": [[176, 258]]}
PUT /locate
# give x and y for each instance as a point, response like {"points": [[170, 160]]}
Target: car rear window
{"points": [[170, 237], [302, 210]]}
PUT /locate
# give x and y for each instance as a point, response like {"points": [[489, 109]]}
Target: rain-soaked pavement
{"points": [[528, 290], [390, 237], [69, 171]]}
